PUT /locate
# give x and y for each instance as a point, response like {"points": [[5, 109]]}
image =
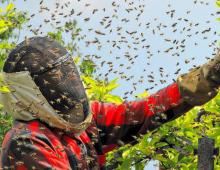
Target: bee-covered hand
{"points": [[201, 84]]}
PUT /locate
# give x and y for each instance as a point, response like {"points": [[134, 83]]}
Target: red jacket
{"points": [[35, 145]]}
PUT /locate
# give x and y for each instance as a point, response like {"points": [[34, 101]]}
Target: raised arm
{"points": [[118, 123]]}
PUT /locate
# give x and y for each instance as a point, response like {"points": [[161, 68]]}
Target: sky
{"points": [[138, 38], [154, 17]]}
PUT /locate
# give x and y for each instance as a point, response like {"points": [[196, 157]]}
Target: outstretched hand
{"points": [[211, 70], [201, 84]]}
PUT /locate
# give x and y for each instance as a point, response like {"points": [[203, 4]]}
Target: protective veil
{"points": [[25, 102], [44, 84]]}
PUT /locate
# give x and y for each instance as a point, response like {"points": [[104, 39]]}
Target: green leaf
{"points": [[112, 85], [76, 59], [87, 67], [4, 23], [9, 7], [1, 106], [160, 144], [3, 29], [113, 99], [89, 80], [5, 45], [57, 36], [218, 3], [142, 95], [4, 89]]}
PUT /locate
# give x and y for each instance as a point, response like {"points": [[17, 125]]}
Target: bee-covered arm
{"points": [[119, 123]]}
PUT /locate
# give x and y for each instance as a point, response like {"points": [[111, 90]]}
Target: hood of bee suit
{"points": [[61, 102], [21, 97]]}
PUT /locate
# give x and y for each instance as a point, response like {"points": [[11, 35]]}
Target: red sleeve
{"points": [[118, 123]]}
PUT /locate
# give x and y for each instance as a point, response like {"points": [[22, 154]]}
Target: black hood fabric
{"points": [[54, 72]]}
